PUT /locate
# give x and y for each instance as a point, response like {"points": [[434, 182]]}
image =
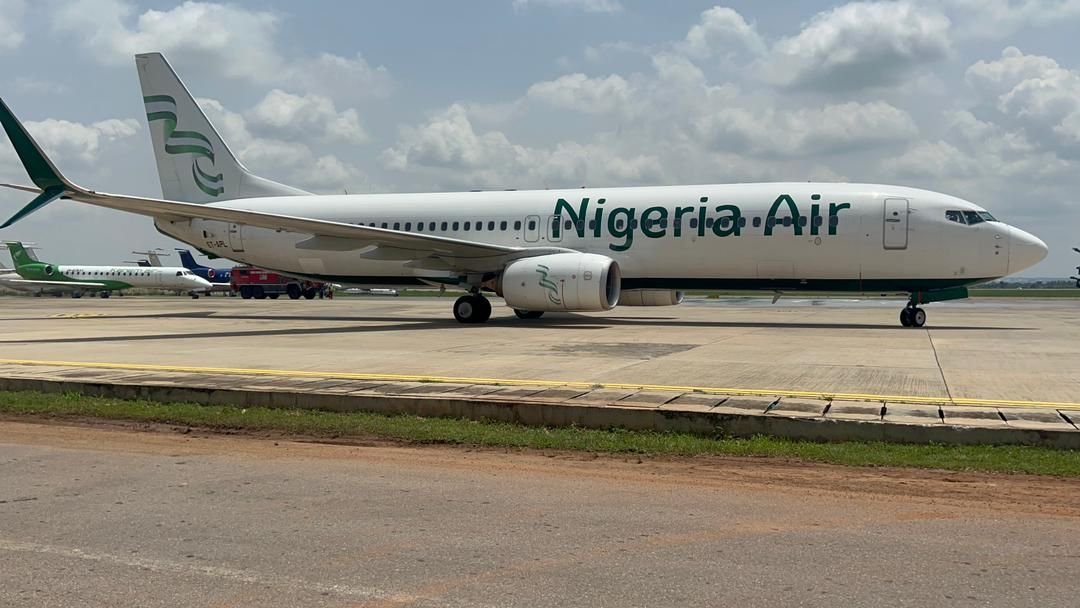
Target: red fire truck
{"points": [[257, 283]]}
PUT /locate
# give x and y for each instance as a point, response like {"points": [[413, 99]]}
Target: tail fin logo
{"points": [[185, 142], [548, 284]]}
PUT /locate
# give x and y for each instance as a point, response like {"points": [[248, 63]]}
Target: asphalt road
{"points": [[114, 517]]}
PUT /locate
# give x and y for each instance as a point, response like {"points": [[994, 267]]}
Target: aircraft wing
{"points": [[423, 250], [420, 250], [72, 284]]}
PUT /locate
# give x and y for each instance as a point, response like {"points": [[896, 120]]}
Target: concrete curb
{"points": [[732, 417]]}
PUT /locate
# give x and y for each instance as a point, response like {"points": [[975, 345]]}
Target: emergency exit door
{"points": [[236, 238], [896, 223]]}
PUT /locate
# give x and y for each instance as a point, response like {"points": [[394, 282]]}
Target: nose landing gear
{"points": [[912, 316]]}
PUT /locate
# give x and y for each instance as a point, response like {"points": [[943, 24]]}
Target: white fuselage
{"points": [[846, 237], [140, 277]]}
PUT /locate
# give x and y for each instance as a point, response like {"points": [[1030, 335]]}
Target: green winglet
{"points": [[37, 165], [47, 196]]}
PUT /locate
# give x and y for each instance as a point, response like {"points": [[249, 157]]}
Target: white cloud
{"points": [[860, 45], [229, 40], [452, 153], [1001, 18], [1033, 93], [580, 93], [66, 140], [273, 144], [307, 115], [588, 6], [831, 129], [722, 29], [11, 24]]}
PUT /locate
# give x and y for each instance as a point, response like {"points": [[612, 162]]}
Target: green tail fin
{"points": [[19, 255]]}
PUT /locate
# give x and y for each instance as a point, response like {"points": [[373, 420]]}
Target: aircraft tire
{"points": [[905, 317], [472, 308], [528, 314], [918, 317]]}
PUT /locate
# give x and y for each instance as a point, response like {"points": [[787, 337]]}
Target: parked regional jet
{"points": [[552, 250], [34, 274], [220, 278]]}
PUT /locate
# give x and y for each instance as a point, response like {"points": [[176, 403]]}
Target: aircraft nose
{"points": [[1025, 250]]}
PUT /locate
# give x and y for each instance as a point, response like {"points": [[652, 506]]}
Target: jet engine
{"points": [[650, 297], [581, 282]]}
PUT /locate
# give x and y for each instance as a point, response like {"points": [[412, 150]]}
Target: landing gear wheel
{"points": [[103, 295], [473, 308], [905, 317], [918, 317], [528, 314]]}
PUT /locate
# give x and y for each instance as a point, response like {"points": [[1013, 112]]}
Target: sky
{"points": [[975, 98]]}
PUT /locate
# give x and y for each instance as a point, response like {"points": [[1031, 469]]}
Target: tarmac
{"points": [[106, 517], [984, 371]]}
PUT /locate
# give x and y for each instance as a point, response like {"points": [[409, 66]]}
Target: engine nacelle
{"points": [[580, 282], [650, 297]]}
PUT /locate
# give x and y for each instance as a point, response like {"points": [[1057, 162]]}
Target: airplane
{"points": [[34, 274], [1077, 277], [153, 257], [220, 278], [576, 250]]}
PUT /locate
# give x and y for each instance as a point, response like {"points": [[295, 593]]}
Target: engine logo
{"points": [[548, 284]]}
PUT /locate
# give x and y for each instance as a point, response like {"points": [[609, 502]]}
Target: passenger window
{"points": [[619, 224], [757, 222], [787, 221], [818, 221], [468, 225], [834, 221], [502, 225], [397, 225], [517, 225], [431, 227], [569, 225], [693, 222], [419, 226], [709, 222], [491, 226], [802, 221], [532, 224], [408, 226], [478, 226], [443, 226], [742, 222], [384, 225], [770, 222], [455, 226]]}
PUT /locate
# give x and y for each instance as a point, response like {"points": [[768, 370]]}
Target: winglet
{"points": [[38, 166]]}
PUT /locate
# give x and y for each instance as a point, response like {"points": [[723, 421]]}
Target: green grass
{"points": [[416, 430]]}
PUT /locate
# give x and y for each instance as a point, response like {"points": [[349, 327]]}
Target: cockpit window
{"points": [[985, 215], [973, 218], [955, 216]]}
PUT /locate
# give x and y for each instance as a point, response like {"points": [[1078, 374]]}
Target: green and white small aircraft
{"points": [[43, 277]]}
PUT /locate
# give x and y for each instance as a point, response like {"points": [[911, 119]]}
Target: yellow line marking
{"points": [[707, 390]]}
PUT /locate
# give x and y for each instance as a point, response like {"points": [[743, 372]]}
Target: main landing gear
{"points": [[472, 308], [912, 316]]}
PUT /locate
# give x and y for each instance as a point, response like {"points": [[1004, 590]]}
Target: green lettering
{"points": [[679, 212], [727, 224], [647, 222], [578, 217], [626, 232], [598, 220], [815, 213], [701, 221], [834, 211], [770, 220]]}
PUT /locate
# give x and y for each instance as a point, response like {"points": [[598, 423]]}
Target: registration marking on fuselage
{"points": [[704, 390]]}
